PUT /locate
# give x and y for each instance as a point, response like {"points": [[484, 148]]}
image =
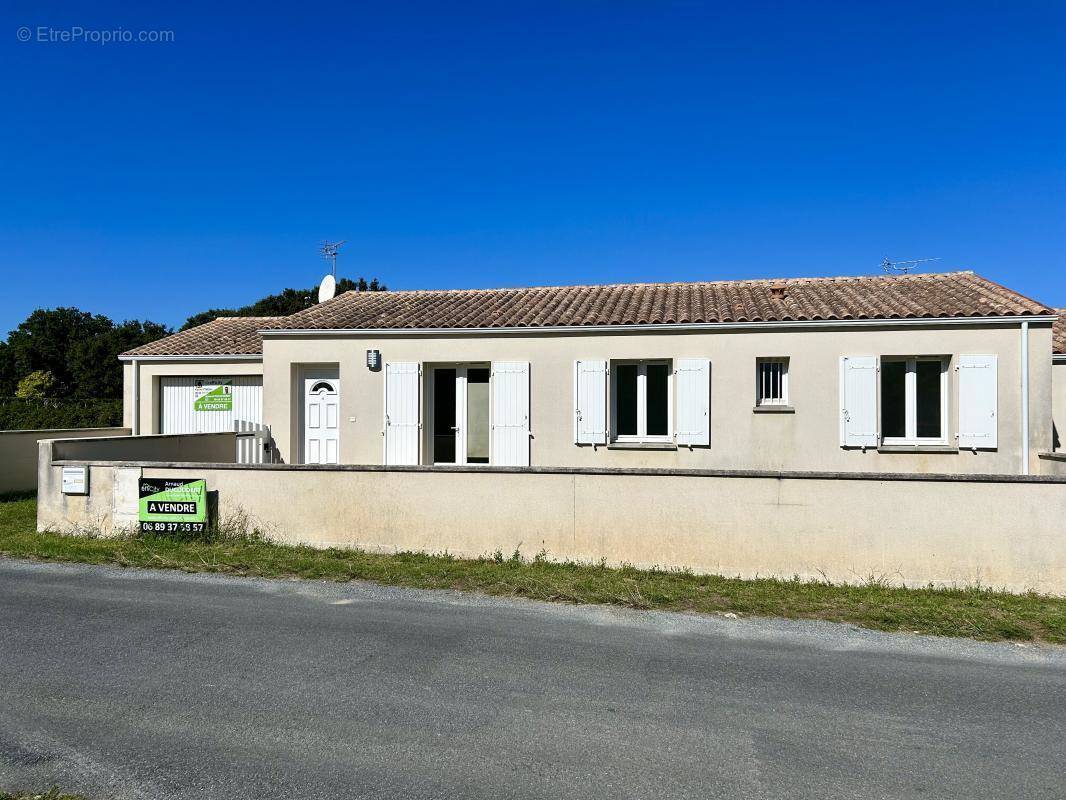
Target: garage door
{"points": [[211, 404]]}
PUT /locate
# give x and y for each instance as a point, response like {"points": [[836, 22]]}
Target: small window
{"points": [[640, 392], [322, 387], [913, 400], [771, 386]]}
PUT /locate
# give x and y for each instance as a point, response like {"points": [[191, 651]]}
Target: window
{"points": [[913, 400], [640, 407], [771, 386], [459, 403]]}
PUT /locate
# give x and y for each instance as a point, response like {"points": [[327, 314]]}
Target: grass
{"points": [[978, 613], [51, 794]]}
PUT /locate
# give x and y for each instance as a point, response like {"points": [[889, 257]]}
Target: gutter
{"points": [[214, 357], [666, 327]]}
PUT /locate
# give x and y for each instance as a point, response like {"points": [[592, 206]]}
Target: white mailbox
{"points": [[75, 480]]}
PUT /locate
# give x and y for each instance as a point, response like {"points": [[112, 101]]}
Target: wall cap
{"points": [[605, 471]]}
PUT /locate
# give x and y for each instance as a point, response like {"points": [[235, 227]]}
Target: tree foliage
{"points": [[80, 350], [285, 302], [35, 386]]}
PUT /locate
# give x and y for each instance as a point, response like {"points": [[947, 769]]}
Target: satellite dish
{"points": [[327, 289]]}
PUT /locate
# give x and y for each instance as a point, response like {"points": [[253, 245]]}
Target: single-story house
{"points": [[944, 373]]}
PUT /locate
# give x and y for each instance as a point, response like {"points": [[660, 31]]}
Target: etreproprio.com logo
{"points": [[77, 34]]}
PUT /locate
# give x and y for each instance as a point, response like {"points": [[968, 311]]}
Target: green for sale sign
{"points": [[169, 505], [213, 397]]}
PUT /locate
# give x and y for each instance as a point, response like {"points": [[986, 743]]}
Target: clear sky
{"points": [[508, 144]]}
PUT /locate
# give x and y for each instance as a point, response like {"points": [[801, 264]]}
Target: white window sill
{"points": [[920, 447], [772, 409], [665, 445]]}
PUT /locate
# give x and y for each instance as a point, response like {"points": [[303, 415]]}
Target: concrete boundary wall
{"points": [[995, 531], [214, 447], [18, 453]]}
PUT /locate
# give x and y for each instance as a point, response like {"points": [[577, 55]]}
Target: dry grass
{"points": [[978, 613], [51, 794]]}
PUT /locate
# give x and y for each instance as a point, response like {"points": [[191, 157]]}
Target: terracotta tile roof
{"points": [[1058, 337], [955, 294], [225, 336]]}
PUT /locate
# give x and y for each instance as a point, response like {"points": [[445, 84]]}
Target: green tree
{"points": [[45, 340], [8, 374], [94, 366], [35, 386], [78, 349], [285, 302]]}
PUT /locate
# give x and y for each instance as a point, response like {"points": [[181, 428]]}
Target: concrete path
{"points": [[141, 684]]}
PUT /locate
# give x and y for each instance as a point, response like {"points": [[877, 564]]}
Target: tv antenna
{"points": [[329, 252], [903, 267], [328, 287]]}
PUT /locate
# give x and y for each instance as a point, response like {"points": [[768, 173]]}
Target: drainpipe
{"points": [[135, 425], [1025, 397]]}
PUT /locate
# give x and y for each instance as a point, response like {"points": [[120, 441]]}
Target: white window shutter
{"points": [[510, 413], [402, 428], [858, 401], [693, 387], [978, 406], [590, 402]]}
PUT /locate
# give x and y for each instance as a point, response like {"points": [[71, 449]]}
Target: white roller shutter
{"points": [[402, 428], [510, 413], [978, 404], [693, 386], [590, 402], [178, 411], [858, 401]]}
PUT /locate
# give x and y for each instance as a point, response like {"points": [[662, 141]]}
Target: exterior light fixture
{"points": [[373, 359]]}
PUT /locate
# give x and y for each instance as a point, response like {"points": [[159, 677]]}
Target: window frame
{"points": [[762, 402], [641, 436], [910, 395]]}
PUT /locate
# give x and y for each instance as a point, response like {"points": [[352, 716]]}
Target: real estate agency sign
{"points": [[213, 396], [169, 505]]}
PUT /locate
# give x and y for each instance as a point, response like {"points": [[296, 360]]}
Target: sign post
{"points": [[173, 505]]}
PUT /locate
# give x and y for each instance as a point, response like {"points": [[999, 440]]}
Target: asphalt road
{"points": [[140, 684]]}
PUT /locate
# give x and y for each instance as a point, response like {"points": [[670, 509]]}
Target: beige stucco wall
{"points": [[151, 371], [917, 531], [1058, 394], [740, 439], [18, 453]]}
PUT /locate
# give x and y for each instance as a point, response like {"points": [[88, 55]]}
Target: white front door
{"points": [[321, 417]]}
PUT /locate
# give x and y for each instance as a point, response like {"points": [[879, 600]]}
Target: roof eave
{"points": [[187, 357], [662, 327]]}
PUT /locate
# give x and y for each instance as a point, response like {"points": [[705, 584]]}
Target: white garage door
{"points": [[211, 404]]}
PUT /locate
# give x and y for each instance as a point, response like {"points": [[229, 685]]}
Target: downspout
{"points": [[1025, 397], [135, 425]]}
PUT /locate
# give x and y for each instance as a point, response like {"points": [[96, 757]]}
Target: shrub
{"points": [[22, 414]]}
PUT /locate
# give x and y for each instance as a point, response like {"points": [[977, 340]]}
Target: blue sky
{"points": [[466, 145]]}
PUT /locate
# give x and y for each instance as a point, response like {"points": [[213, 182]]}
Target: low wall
{"points": [[18, 453], [947, 530], [1053, 464], [194, 447]]}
